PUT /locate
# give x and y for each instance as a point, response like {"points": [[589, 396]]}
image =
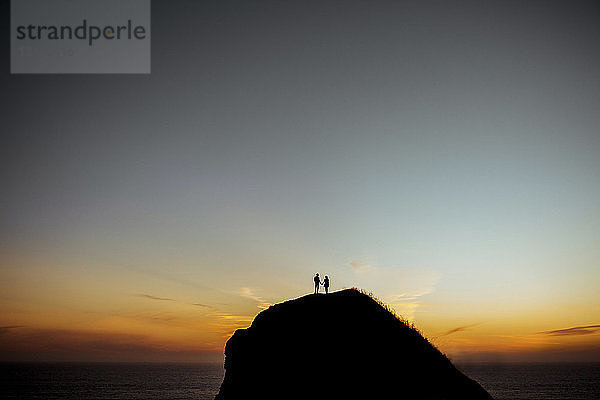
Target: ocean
{"points": [[111, 381], [98, 381], [539, 381]]}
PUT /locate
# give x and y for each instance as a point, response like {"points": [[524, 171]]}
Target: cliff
{"points": [[343, 345]]}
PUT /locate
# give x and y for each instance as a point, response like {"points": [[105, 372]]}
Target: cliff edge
{"points": [[343, 345]]}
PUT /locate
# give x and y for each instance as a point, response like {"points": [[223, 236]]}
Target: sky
{"points": [[443, 157]]}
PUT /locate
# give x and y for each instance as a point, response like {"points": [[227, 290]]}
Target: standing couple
{"points": [[324, 283]]}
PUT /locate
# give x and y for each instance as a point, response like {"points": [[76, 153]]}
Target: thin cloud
{"points": [[201, 305], [227, 323], [458, 329], [165, 318], [149, 296], [575, 331], [249, 294], [405, 297], [80, 341], [401, 288], [357, 266], [232, 317], [7, 328]]}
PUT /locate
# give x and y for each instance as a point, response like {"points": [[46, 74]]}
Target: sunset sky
{"points": [[444, 157]]}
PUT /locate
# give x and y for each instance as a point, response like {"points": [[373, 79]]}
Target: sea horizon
{"points": [[103, 380]]}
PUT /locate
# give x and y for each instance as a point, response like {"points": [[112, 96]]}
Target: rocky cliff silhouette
{"points": [[344, 345]]}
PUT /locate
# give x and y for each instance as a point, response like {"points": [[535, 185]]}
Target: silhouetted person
{"points": [[326, 284], [317, 283]]}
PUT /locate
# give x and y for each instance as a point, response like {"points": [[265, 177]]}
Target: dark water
{"points": [[567, 381], [202, 381], [111, 381]]}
